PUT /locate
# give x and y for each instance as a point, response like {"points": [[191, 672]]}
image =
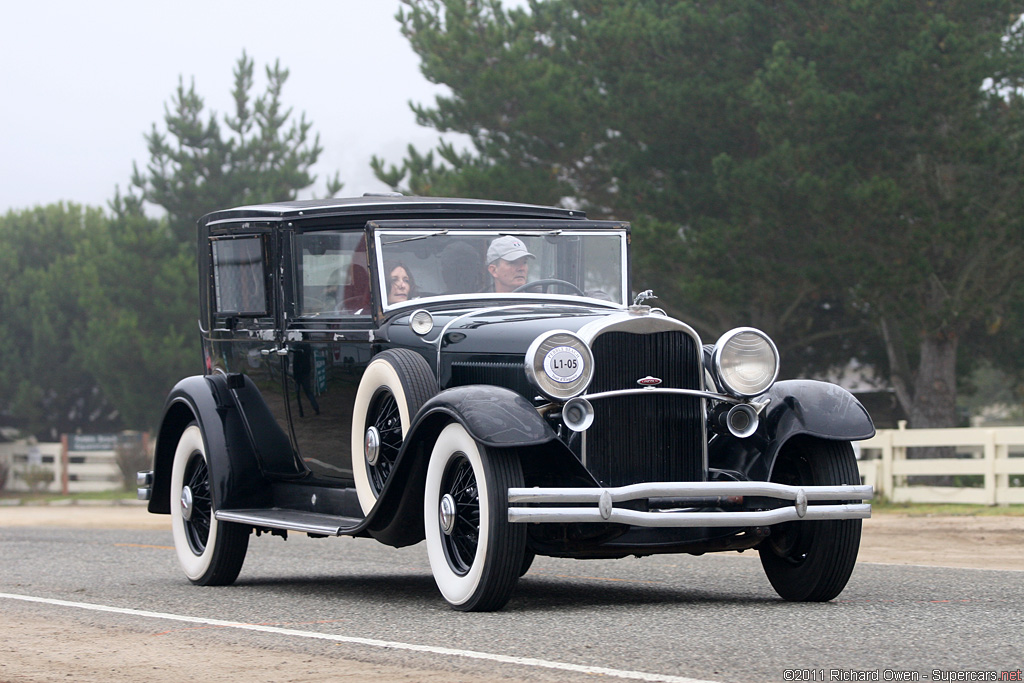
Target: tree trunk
{"points": [[934, 401]]}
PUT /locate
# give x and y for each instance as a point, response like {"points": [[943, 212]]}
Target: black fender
{"points": [[495, 417], [797, 407], [235, 474]]}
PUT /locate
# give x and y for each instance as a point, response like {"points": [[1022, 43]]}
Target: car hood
{"points": [[499, 330]]}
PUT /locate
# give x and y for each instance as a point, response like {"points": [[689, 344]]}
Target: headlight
{"points": [[559, 364], [746, 362]]}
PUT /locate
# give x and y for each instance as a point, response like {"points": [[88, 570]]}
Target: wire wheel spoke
{"points": [[197, 527], [461, 545], [388, 421]]}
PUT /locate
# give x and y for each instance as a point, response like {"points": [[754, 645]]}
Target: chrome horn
{"points": [[578, 414], [740, 420]]}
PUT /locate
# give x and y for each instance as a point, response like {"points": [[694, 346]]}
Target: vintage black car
{"points": [[479, 375]]}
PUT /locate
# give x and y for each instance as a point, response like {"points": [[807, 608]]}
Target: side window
{"points": [[239, 277], [333, 275]]}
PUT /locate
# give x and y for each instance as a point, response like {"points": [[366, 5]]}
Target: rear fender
{"points": [[235, 476]]}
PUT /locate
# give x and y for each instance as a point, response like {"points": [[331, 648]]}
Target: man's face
{"points": [[508, 275]]}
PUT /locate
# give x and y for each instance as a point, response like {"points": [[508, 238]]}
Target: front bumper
{"points": [[689, 501]]}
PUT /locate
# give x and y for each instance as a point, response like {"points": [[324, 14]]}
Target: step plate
{"points": [[293, 520]]}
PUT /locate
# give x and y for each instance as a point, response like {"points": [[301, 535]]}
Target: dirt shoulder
{"points": [[978, 542], [982, 542]]}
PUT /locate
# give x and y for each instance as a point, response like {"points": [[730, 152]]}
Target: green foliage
{"points": [[97, 315], [138, 287], [43, 383], [879, 122], [847, 176], [97, 312], [265, 156], [37, 477]]}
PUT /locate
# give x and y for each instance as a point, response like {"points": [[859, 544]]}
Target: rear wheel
{"points": [[475, 554], [210, 552], [812, 561]]}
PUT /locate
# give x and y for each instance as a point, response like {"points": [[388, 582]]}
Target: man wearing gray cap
{"points": [[508, 263]]}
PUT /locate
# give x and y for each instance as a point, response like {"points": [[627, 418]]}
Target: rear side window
{"points": [[333, 278], [239, 276]]}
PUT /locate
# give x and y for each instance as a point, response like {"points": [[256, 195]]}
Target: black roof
{"points": [[390, 204]]}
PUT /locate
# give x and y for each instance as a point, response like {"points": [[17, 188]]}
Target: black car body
{"points": [[366, 374]]}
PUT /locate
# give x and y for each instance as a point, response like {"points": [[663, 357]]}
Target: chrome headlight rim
{"points": [[727, 344], [559, 348], [421, 322]]}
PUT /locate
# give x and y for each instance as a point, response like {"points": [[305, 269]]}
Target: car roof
{"points": [[390, 205]]}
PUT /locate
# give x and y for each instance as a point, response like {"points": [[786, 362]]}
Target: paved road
{"points": [[708, 618]]}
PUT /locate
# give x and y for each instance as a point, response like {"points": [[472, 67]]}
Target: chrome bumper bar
{"points": [[145, 483], [684, 495]]}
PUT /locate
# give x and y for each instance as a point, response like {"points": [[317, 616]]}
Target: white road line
{"points": [[371, 642]]}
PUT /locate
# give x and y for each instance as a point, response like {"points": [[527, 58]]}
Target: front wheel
{"points": [[475, 554], [812, 561], [210, 552]]}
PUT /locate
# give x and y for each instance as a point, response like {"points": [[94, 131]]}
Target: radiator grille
{"points": [[641, 438]]}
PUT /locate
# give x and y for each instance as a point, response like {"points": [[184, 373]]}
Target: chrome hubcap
{"points": [[186, 503], [371, 446], [447, 514]]}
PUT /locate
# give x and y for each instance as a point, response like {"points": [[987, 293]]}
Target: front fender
{"points": [[797, 407], [495, 417], [235, 477], [819, 409]]}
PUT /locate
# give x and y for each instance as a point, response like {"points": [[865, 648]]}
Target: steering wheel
{"points": [[548, 282]]}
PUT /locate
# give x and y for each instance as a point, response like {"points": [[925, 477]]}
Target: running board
{"points": [[293, 520]]}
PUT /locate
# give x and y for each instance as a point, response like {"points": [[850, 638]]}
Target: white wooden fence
{"points": [[78, 464], [992, 459]]}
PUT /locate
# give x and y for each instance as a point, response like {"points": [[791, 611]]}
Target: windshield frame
{"points": [[394, 232]]}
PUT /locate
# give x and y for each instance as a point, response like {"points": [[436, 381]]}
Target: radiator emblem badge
{"points": [[649, 381]]}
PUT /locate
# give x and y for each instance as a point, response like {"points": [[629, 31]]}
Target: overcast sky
{"points": [[83, 81]]}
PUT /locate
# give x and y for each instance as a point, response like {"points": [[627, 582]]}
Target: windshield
{"points": [[462, 263]]}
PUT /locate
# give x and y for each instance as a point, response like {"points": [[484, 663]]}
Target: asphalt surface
{"points": [[708, 618]]}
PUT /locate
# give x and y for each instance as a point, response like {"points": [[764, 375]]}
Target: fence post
{"points": [[990, 467], [63, 464], [885, 466]]}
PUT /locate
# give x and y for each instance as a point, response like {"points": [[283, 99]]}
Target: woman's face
{"points": [[400, 285]]}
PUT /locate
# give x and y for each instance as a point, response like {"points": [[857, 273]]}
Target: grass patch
{"points": [[47, 497]]}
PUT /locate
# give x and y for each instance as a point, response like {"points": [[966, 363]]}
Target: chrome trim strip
{"points": [[324, 529], [689, 519], [527, 299], [637, 321], [663, 390], [604, 498]]}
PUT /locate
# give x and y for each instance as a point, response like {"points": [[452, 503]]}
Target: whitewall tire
{"points": [[475, 554], [211, 553]]}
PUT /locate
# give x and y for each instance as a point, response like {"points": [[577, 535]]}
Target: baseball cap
{"points": [[509, 248]]}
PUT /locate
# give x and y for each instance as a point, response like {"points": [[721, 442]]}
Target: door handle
{"points": [[279, 350]]}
